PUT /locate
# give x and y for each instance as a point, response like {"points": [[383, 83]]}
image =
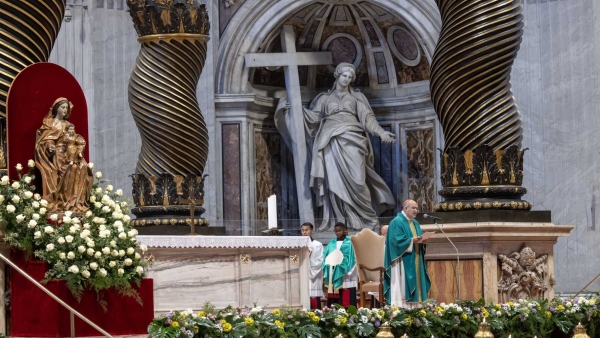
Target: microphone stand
{"points": [[457, 255]]}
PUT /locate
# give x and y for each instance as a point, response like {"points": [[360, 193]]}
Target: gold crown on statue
{"points": [[151, 17]]}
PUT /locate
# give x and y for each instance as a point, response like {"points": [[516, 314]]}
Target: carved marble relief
{"points": [[420, 148], [524, 275]]}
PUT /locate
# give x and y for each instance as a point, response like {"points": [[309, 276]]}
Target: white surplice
{"points": [[316, 268], [351, 278]]}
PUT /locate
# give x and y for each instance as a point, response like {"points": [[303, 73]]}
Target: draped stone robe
{"points": [[341, 164]]}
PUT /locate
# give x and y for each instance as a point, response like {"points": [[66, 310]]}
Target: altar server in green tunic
{"points": [[344, 277], [406, 282]]}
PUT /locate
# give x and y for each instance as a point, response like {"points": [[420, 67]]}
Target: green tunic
{"points": [[339, 271], [400, 234]]}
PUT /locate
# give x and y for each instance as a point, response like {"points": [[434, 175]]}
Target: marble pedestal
{"points": [[482, 243], [234, 270]]}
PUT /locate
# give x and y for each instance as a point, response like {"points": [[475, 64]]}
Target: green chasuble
{"points": [[399, 236], [339, 271]]}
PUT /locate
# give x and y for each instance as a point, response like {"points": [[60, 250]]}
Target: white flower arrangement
{"points": [[76, 246]]}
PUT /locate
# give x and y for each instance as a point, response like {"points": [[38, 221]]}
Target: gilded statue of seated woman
{"points": [[66, 178]]}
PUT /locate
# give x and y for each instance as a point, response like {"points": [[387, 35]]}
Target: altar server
{"points": [[316, 266], [344, 277]]}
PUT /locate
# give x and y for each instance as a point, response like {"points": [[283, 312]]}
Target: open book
{"points": [[425, 236]]}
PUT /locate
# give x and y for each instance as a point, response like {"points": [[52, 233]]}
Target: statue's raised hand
{"points": [[387, 137]]}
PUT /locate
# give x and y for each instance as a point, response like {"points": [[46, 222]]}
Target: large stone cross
{"points": [[290, 60]]}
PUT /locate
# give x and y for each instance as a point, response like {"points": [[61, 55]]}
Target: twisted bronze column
{"points": [[28, 30], [162, 99], [482, 162]]}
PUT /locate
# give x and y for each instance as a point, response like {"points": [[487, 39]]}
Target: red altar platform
{"points": [[35, 314]]}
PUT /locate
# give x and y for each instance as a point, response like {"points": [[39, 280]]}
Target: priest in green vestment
{"points": [[344, 277], [406, 280]]}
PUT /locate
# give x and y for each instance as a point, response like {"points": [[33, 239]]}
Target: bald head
{"points": [[410, 208]]}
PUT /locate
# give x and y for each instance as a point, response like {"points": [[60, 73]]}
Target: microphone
{"points": [[435, 218]]}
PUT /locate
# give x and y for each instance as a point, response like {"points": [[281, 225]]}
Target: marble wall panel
{"points": [[232, 203]]}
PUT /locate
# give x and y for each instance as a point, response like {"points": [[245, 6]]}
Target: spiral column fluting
{"points": [[482, 162], [162, 99], [28, 30]]}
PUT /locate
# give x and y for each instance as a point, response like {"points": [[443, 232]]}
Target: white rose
{"points": [[33, 223], [113, 244], [81, 249], [4, 180], [1, 198], [126, 218], [94, 265], [67, 220], [109, 188], [36, 217], [128, 262], [120, 272], [28, 194], [119, 192], [84, 234], [88, 214], [54, 217], [61, 240], [15, 199], [105, 208], [44, 203], [27, 180], [112, 264], [42, 211], [91, 165], [85, 274], [121, 253], [48, 229], [118, 224], [31, 163], [72, 229], [122, 235], [37, 235], [106, 250], [16, 185], [91, 244], [20, 218], [70, 255], [117, 215], [10, 208], [92, 198], [115, 253], [137, 256], [120, 229], [73, 269], [62, 255], [69, 239], [130, 233], [98, 205], [19, 167], [98, 175], [98, 190], [37, 197], [90, 252], [143, 248], [76, 220], [98, 254], [130, 251], [50, 247], [87, 226], [103, 272]]}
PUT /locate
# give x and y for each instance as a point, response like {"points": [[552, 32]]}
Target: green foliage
{"points": [[525, 318]]}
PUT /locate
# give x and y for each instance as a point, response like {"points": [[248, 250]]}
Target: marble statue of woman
{"points": [[342, 176], [66, 178]]}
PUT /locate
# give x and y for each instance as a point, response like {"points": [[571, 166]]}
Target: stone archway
{"points": [[258, 17]]}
